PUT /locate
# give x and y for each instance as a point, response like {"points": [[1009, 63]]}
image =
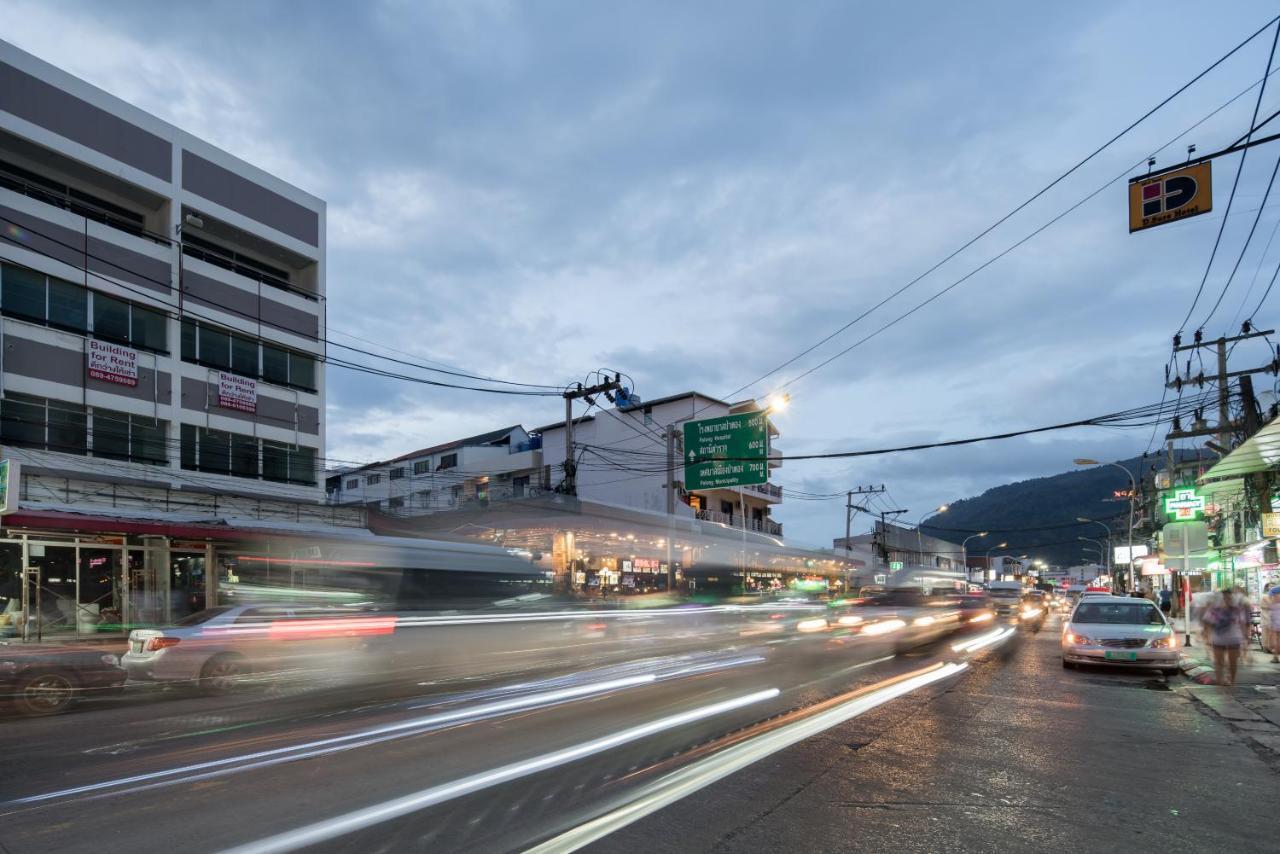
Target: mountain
{"points": [[1038, 516]]}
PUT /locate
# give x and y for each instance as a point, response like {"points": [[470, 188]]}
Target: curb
{"points": [[1196, 670]]}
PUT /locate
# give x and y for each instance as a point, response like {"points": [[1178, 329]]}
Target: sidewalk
{"points": [[1197, 663]]}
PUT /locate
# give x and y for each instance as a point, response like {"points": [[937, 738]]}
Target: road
{"points": [[768, 743]]}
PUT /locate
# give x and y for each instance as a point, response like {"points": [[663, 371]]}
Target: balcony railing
{"points": [[78, 203], [770, 489], [763, 526]]}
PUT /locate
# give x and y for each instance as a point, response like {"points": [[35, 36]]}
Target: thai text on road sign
{"points": [[732, 450]]}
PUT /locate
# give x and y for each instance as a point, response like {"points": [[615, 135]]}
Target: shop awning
{"points": [[1260, 452]]}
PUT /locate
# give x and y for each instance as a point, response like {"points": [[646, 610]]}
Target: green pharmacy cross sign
{"points": [[1184, 505], [732, 450]]}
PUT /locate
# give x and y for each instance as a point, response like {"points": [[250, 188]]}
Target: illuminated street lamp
{"points": [[964, 551], [941, 508], [994, 548], [1133, 494]]}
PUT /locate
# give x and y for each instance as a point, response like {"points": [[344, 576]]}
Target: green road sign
{"points": [[722, 452], [895, 565]]}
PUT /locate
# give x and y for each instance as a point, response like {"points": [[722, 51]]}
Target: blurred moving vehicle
{"points": [[1007, 596], [48, 680], [1035, 607], [906, 617], [977, 611], [217, 648], [1119, 630]]}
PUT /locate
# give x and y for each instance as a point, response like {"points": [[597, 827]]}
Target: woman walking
{"points": [[1226, 626]]}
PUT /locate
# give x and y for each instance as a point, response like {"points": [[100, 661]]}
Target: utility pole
{"points": [[570, 395], [670, 436], [882, 532], [849, 507]]}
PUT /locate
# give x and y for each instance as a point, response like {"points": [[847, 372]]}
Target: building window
{"points": [[229, 259], [220, 452], [52, 425], [33, 296], [422, 467], [449, 461], [648, 416], [285, 367], [289, 464], [457, 493], [519, 485], [353, 483], [396, 473], [395, 503], [424, 498], [373, 480], [133, 438], [126, 323]]}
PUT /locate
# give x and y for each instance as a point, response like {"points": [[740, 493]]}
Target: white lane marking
{"points": [[344, 742], [323, 831], [684, 782]]}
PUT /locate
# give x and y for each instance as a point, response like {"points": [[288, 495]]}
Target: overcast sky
{"points": [[693, 193]]}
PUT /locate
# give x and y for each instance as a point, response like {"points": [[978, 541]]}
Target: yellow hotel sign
{"points": [[1170, 196]]}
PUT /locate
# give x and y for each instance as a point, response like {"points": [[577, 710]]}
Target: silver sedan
{"points": [[1119, 630]]}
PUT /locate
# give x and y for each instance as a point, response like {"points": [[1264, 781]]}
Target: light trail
{"points": [[320, 747], [684, 782], [329, 829]]}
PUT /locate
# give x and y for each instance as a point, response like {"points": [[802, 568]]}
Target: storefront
{"points": [[54, 585]]}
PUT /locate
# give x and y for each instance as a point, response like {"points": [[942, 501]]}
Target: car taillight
{"points": [[157, 644]]}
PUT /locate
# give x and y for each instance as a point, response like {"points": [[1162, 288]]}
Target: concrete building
{"points": [[494, 466], [621, 456], [896, 544], [163, 343]]}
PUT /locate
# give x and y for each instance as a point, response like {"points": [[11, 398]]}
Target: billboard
{"points": [[1170, 196], [111, 363]]}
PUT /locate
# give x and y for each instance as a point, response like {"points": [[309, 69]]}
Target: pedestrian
{"points": [[1226, 628], [1271, 622]]}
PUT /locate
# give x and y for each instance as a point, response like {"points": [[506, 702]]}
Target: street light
{"points": [[1133, 494], [996, 547], [1107, 538], [941, 508], [964, 551]]}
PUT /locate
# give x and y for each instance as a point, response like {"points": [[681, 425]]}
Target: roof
{"points": [[471, 441], [643, 404]]}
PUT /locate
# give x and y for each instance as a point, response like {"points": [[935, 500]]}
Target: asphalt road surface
{"points": [[768, 743]]}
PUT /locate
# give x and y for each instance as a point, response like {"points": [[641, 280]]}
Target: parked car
{"points": [[48, 680], [1119, 630]]}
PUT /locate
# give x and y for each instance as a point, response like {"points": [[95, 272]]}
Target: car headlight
{"points": [[8, 666], [1169, 642], [1078, 640]]}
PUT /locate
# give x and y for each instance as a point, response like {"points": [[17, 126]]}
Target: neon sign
{"points": [[1184, 505]]}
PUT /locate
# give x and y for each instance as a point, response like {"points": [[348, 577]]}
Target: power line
{"points": [[1013, 212], [1235, 183]]}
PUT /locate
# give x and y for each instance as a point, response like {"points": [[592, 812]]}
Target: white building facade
{"points": [[621, 460], [163, 333]]}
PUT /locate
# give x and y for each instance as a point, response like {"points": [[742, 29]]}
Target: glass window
{"points": [[22, 420], [373, 480], [302, 465], [393, 503], [244, 456], [354, 483], [189, 447], [302, 371], [215, 348], [275, 462], [110, 434], [68, 306], [147, 440], [214, 448], [244, 356], [150, 329], [422, 467], [23, 293], [449, 461], [189, 341], [110, 318], [397, 473], [275, 365], [68, 428]]}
